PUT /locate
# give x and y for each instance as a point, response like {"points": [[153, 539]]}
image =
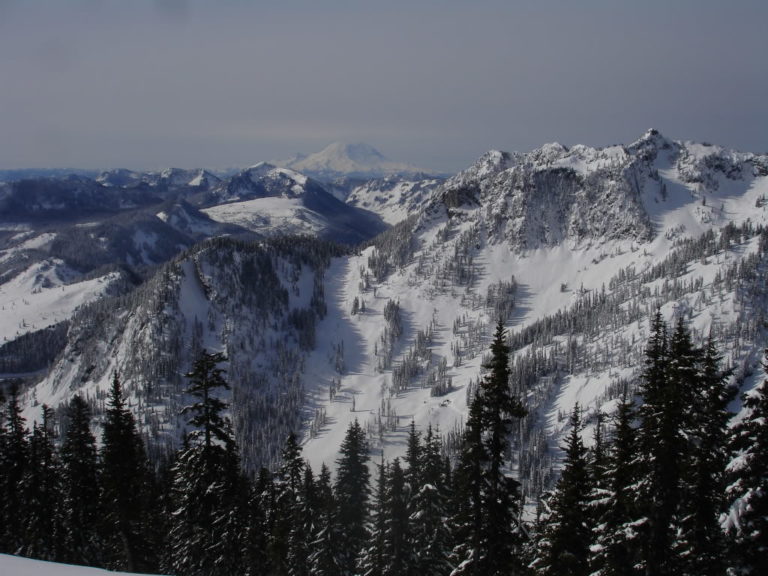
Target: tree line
{"points": [[649, 497]]}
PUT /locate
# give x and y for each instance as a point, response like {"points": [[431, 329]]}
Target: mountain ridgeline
{"points": [[573, 249]]}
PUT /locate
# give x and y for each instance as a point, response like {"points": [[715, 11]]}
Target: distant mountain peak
{"points": [[348, 159]]}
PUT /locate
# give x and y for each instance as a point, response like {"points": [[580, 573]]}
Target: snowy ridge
{"points": [[18, 566], [574, 247], [341, 158]]}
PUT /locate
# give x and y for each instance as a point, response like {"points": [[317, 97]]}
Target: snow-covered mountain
{"points": [[168, 178], [18, 566], [276, 201], [575, 248], [341, 159]]}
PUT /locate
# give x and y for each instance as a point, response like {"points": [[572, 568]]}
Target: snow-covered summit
{"points": [[345, 159]]}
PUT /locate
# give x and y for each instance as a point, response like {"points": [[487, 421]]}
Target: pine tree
{"points": [[563, 546], [288, 501], [305, 520], [489, 537], [352, 493], [615, 534], [661, 451], [126, 489], [373, 557], [429, 514], [748, 490], [398, 553], [209, 524], [15, 458], [258, 529], [43, 530], [81, 513], [701, 542], [467, 503], [325, 554]]}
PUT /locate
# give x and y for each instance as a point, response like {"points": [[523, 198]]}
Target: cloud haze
{"points": [[153, 84]]}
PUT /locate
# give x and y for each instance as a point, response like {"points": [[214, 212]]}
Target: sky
{"points": [[149, 84]]}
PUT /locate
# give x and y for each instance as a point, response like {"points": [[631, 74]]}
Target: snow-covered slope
{"points": [[273, 201], [593, 241], [18, 566], [574, 248], [393, 198], [345, 159]]}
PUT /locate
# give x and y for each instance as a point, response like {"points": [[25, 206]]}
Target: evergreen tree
{"points": [[398, 553], [207, 536], [305, 520], [325, 554], [14, 463], [488, 508], [701, 542], [413, 457], [257, 532], [126, 489], [468, 504], [43, 531], [615, 534], [352, 493], [80, 506], [373, 557], [288, 502], [566, 534], [429, 526], [748, 490], [662, 448]]}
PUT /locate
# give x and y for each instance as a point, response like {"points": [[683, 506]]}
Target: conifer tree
{"points": [[258, 529], [14, 454], [566, 534], [748, 489], [398, 553], [430, 513], [302, 533], [661, 451], [43, 530], [467, 503], [700, 542], [126, 489], [81, 513], [352, 493], [325, 555], [207, 537], [373, 557], [288, 502], [413, 457], [488, 533], [615, 536]]}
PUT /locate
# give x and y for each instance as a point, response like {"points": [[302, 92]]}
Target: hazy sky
{"points": [[151, 84]]}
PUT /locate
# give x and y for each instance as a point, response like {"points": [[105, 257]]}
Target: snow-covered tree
{"points": [[747, 522]]}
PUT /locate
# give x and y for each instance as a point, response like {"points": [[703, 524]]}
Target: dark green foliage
{"points": [[14, 461], [701, 542], [682, 458], [210, 495], [325, 555], [487, 505], [80, 506], [748, 491], [429, 510], [614, 534], [126, 489], [352, 493], [43, 527], [563, 545], [398, 554], [287, 509]]}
